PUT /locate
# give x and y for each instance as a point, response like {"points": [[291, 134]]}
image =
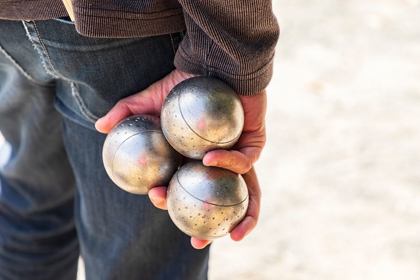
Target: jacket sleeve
{"points": [[231, 40]]}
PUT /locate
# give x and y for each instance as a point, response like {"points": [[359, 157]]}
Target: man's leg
{"points": [[122, 235], [37, 231]]}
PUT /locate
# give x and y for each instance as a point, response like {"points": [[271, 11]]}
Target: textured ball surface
{"points": [[137, 156], [206, 202], [202, 114]]}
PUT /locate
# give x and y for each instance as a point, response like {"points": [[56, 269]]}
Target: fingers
{"points": [[243, 229], [199, 243], [251, 219], [158, 197], [120, 111], [148, 101], [232, 160], [236, 161], [140, 103]]}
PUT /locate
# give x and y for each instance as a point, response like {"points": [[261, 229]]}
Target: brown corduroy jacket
{"points": [[232, 40]]}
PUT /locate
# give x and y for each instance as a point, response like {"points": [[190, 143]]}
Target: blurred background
{"points": [[340, 173]]}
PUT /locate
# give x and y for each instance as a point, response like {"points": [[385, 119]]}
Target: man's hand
{"points": [[249, 146], [148, 101], [247, 224], [240, 160]]}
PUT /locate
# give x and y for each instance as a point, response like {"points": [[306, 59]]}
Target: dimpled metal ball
{"points": [[206, 202], [137, 156], [202, 114]]}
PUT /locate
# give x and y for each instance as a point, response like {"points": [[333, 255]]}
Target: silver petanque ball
{"points": [[202, 114], [137, 156], [206, 202]]}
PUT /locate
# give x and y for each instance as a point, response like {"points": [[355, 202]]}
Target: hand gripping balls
{"points": [[137, 156], [206, 202], [202, 114]]}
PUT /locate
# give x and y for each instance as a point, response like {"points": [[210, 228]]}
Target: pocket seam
{"points": [[44, 57], [22, 71], [85, 111]]}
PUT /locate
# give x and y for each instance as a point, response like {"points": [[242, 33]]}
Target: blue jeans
{"points": [[56, 200]]}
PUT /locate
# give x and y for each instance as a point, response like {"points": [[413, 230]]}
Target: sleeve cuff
{"points": [[243, 84]]}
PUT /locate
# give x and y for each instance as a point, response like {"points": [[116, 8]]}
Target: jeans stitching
{"points": [[45, 48], [172, 42], [36, 47], [22, 71], [85, 111], [75, 92]]}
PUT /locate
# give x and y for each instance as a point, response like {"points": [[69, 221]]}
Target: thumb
{"points": [[120, 111], [148, 101]]}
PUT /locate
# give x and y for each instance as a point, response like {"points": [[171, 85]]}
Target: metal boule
{"points": [[137, 156], [202, 114], [206, 202]]}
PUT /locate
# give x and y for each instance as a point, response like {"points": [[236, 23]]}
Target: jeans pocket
{"points": [[100, 78], [111, 74], [93, 74]]}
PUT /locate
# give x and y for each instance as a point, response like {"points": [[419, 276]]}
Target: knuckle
{"points": [[256, 157], [248, 166], [120, 103], [231, 162], [245, 167]]}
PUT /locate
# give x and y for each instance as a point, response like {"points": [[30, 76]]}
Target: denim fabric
{"points": [[56, 199]]}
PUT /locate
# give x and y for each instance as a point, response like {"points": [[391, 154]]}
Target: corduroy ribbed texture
{"points": [[102, 18], [231, 40], [31, 9]]}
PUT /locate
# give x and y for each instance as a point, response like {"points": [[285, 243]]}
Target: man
{"points": [[62, 82]]}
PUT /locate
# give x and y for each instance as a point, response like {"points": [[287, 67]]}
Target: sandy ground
{"points": [[341, 170]]}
